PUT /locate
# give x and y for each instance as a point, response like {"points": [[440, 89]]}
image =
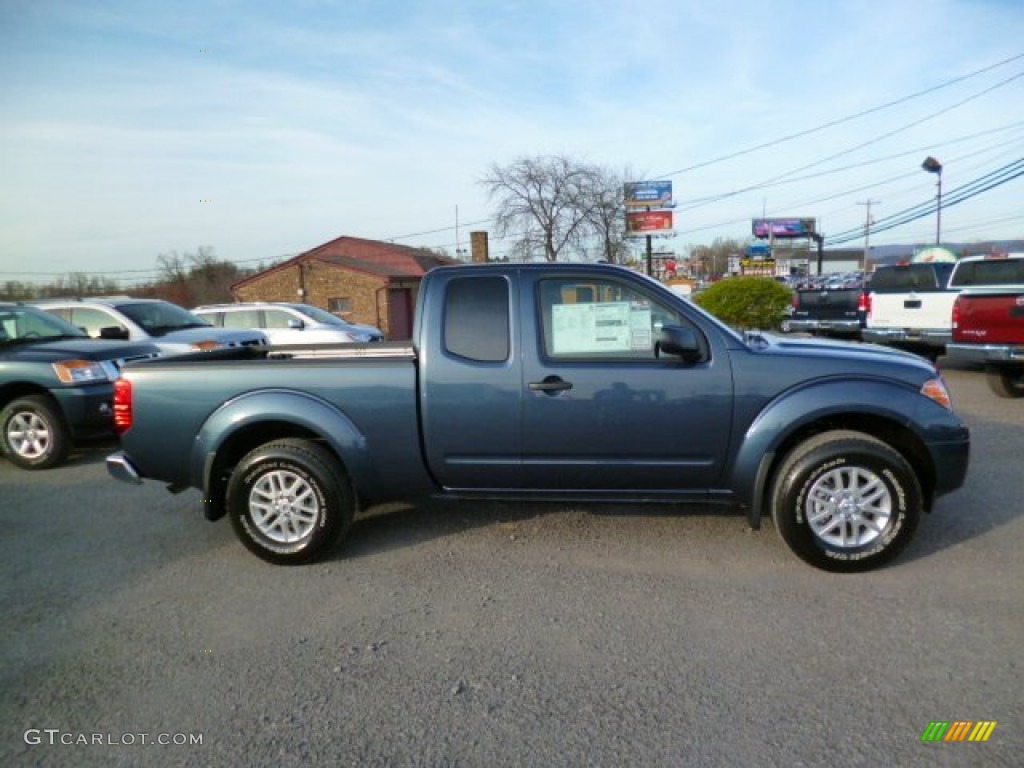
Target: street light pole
{"points": [[932, 165]]}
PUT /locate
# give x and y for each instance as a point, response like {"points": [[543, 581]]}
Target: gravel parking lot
{"points": [[487, 634]]}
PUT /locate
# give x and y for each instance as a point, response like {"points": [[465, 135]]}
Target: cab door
{"points": [[471, 382], [602, 412]]}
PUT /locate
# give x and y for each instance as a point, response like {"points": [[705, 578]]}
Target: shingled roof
{"points": [[373, 256]]}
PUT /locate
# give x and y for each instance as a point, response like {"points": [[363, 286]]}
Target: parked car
{"points": [[289, 323], [55, 385], [173, 329]]}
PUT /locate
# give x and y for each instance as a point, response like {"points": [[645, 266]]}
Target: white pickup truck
{"points": [[911, 305]]}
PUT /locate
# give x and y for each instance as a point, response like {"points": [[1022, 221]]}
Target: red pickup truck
{"points": [[988, 320]]}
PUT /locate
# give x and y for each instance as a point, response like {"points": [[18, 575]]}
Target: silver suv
{"points": [[172, 329], [289, 323]]}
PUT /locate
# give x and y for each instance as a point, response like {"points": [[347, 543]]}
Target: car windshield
{"points": [[321, 315], [160, 317], [19, 323]]}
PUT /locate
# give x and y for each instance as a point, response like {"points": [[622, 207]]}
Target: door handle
{"points": [[551, 384]]}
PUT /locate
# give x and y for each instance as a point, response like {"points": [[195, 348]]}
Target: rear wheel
{"points": [[290, 501], [1005, 381], [845, 501], [33, 433]]}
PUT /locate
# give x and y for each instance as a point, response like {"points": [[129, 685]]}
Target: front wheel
{"points": [[33, 432], [845, 501], [290, 501]]}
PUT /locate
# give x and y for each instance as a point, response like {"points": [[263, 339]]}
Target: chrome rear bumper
{"points": [[120, 467]]}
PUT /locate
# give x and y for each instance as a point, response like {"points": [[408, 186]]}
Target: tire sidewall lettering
{"points": [[896, 522], [262, 468]]}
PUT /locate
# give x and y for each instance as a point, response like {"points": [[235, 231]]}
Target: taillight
{"points": [[956, 313], [122, 405], [864, 303], [796, 301]]}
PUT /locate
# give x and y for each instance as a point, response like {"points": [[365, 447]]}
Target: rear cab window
{"points": [[995, 271], [476, 319], [904, 278]]}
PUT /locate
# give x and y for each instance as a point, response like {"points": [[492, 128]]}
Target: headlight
{"points": [[81, 371], [935, 389], [361, 337]]}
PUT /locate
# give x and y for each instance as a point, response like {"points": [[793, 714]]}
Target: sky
{"points": [[132, 129]]}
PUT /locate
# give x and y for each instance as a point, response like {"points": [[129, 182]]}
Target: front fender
{"points": [[297, 409], [849, 402]]}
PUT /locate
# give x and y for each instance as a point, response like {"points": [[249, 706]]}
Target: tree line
{"points": [[187, 279]]}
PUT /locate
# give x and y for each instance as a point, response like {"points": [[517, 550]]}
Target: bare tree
{"points": [[173, 267], [713, 260], [543, 200], [606, 211]]}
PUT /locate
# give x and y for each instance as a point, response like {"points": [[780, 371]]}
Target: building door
{"points": [[399, 314]]}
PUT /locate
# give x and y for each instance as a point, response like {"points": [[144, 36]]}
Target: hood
{"points": [[226, 336], [81, 349], [836, 349]]}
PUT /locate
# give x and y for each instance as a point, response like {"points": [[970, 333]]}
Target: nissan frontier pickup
{"points": [[554, 382]]}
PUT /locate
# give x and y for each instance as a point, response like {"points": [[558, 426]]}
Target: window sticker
{"points": [[594, 328]]}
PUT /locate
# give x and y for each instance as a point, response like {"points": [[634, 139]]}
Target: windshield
{"points": [[20, 323], [159, 317], [321, 315]]}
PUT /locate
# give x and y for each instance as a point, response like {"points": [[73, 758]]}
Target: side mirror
{"points": [[114, 332], [680, 341], [295, 324]]}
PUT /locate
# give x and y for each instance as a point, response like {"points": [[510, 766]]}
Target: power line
{"points": [[840, 121], [961, 194]]}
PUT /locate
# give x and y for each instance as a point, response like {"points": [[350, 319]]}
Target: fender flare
{"points": [[749, 476], [300, 409]]}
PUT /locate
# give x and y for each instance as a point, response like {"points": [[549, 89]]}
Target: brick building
{"points": [[362, 281]]}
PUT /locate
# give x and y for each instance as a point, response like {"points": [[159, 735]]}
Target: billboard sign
{"points": [[648, 194], [783, 228], [642, 222]]}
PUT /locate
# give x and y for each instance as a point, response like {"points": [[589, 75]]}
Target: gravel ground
{"points": [[506, 635]]}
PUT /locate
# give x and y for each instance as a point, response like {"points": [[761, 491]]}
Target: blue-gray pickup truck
{"points": [[555, 382]]}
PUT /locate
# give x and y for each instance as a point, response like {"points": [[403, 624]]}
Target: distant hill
{"points": [[888, 254]]}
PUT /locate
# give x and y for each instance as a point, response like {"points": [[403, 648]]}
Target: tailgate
{"points": [[827, 305], [991, 319]]}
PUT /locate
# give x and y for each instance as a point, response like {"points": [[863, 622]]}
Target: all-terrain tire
{"points": [[290, 501], [845, 501]]}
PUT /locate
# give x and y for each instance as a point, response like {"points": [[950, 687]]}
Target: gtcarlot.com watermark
{"points": [[36, 736]]}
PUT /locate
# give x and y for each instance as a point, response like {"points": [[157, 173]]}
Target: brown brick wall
{"points": [[366, 293]]}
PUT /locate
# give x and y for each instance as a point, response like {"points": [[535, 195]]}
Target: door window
{"points": [[91, 320], [242, 318], [600, 319]]}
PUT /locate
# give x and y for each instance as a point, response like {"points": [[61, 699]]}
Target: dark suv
{"points": [[56, 385]]}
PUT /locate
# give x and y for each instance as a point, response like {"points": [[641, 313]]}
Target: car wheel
{"points": [[1005, 382], [845, 501], [33, 433], [290, 501]]}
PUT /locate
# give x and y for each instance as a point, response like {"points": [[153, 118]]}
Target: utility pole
{"points": [[867, 233]]}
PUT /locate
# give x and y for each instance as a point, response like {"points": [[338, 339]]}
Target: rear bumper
{"points": [[987, 353], [826, 326], [932, 337], [120, 467]]}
